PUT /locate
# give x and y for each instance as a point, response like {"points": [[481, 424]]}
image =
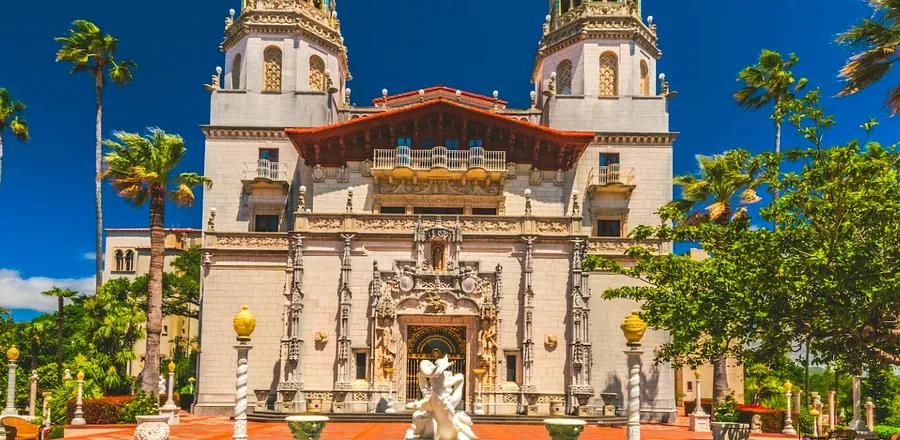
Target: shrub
{"points": [[727, 410], [103, 410], [141, 405], [57, 432], [884, 432]]}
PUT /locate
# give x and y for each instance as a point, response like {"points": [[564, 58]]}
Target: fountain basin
{"points": [[306, 427]]}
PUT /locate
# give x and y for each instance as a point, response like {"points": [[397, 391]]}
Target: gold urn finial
{"points": [[697, 374], [634, 328], [80, 375], [12, 354], [244, 323], [171, 367], [788, 386]]}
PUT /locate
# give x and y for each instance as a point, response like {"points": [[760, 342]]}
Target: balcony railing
{"points": [[440, 158], [611, 177], [265, 170]]}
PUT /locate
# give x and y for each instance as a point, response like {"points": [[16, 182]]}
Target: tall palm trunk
{"points": [[59, 337], [720, 378], [150, 379], [777, 137], [98, 187]]}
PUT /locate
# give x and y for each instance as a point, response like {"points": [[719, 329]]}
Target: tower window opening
{"points": [[317, 79], [120, 259], [564, 77], [609, 74], [645, 79], [272, 69], [129, 261], [236, 72]]}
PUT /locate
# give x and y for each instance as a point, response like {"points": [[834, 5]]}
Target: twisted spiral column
{"points": [[240, 393], [634, 394]]}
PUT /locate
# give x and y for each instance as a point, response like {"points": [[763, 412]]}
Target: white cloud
{"points": [[89, 255], [25, 293]]}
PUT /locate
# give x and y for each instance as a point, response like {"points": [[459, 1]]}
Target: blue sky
{"points": [[46, 195]]}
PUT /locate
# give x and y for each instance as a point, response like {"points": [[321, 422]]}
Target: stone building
{"points": [[127, 255], [366, 238]]}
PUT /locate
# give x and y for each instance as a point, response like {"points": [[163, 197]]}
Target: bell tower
{"points": [[597, 62], [285, 64]]}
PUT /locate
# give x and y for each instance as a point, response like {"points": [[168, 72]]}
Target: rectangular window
{"points": [[361, 365], [607, 159], [392, 210], [404, 142], [690, 386], [427, 210], [512, 368], [609, 228], [428, 143], [484, 211], [266, 223], [473, 143], [269, 154], [452, 144]]}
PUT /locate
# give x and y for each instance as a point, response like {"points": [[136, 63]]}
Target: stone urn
{"points": [[155, 427], [564, 429], [306, 427], [730, 431]]}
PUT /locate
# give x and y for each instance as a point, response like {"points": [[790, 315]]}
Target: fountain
{"points": [[435, 416]]}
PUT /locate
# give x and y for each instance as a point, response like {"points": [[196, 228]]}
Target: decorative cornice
{"points": [[218, 132], [643, 139]]}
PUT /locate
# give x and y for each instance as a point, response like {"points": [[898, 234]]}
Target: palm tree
{"points": [[61, 295], [723, 182], [878, 38], [11, 116], [90, 50], [770, 81], [141, 169]]}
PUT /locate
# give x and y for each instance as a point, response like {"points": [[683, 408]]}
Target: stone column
{"points": [[170, 409], [240, 391], [580, 389], [698, 420], [831, 410], [13, 356], [857, 423], [528, 326], [634, 392], [290, 382], [79, 414], [817, 405], [344, 300], [45, 412], [32, 393], [798, 401], [788, 423], [870, 414]]}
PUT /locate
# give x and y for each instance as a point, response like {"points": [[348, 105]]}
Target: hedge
{"points": [[772, 419], [884, 432], [101, 411]]}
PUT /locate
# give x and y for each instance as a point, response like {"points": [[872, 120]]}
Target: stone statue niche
{"points": [[435, 416], [438, 257]]}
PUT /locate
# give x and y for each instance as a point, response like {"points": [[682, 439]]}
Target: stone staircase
{"points": [[274, 417]]}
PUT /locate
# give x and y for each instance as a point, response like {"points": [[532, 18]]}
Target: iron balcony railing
{"points": [[440, 157], [267, 170], [611, 174]]}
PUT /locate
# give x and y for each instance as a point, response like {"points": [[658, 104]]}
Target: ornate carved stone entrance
{"points": [[432, 343]]}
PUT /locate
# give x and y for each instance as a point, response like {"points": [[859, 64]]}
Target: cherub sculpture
{"points": [[435, 416]]}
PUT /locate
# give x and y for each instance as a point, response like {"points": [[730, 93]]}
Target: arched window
{"points": [[272, 66], [236, 72], [609, 74], [129, 261], [645, 78], [119, 260], [317, 73], [566, 5], [564, 77]]}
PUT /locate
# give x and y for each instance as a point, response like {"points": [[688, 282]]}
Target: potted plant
{"points": [[725, 425]]}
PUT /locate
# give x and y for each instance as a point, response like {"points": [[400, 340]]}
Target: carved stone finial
{"points": [[663, 85], [576, 205], [211, 223], [347, 97], [215, 82], [421, 95], [329, 83], [496, 100], [551, 85], [229, 20], [384, 97], [207, 259], [547, 25], [533, 100], [458, 95], [350, 200], [528, 202], [301, 199]]}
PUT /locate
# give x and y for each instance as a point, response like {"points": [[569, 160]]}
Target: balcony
{"points": [[265, 171], [611, 179], [439, 163]]}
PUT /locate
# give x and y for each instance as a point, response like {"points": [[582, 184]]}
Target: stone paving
{"points": [[219, 428]]}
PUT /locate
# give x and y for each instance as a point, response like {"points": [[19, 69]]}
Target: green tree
{"points": [[88, 49], [722, 183], [838, 243], [61, 295], [878, 41], [142, 170], [770, 81], [11, 117]]}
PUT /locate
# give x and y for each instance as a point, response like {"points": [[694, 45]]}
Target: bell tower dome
{"points": [[599, 56], [287, 55]]}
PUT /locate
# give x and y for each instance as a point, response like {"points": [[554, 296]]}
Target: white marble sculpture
{"points": [[435, 416]]}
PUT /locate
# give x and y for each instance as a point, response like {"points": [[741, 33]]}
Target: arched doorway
{"points": [[431, 343]]}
